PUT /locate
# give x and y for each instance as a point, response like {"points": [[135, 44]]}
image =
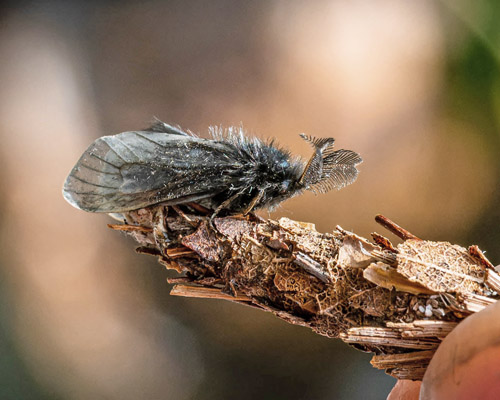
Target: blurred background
{"points": [[414, 87]]}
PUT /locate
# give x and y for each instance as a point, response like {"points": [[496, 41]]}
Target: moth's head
{"points": [[281, 181], [328, 169]]}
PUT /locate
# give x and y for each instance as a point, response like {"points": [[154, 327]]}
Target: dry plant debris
{"points": [[397, 302]]}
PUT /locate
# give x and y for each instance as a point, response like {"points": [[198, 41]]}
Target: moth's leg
{"points": [[254, 201], [199, 208], [225, 204], [184, 216]]}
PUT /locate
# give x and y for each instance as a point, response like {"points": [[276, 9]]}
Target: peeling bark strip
{"points": [[398, 302]]}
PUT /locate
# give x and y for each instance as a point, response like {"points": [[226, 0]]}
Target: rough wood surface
{"points": [[398, 302]]}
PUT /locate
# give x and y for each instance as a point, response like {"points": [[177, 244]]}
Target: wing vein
{"points": [[128, 148], [93, 184], [104, 161], [118, 155], [98, 170], [149, 139]]}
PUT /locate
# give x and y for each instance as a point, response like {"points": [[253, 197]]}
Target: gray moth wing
{"points": [[137, 169]]}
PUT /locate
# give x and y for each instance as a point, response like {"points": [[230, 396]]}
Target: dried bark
{"points": [[397, 302]]}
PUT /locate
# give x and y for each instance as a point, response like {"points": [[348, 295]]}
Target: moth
{"points": [[230, 171]]}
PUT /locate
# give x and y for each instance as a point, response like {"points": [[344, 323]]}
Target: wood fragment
{"points": [[151, 251], [387, 337], [179, 252], [411, 365], [383, 361], [179, 279], [205, 293], [475, 303], [493, 280], [441, 266], [312, 266], [394, 228], [383, 242], [475, 252], [389, 278], [357, 252], [130, 228], [407, 372], [423, 328]]}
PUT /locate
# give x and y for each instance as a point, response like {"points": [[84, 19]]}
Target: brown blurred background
{"points": [[412, 86]]}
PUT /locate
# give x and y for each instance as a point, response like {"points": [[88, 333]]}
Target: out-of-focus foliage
{"points": [[472, 97], [412, 86]]}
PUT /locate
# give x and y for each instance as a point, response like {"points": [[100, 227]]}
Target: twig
{"points": [[394, 228], [390, 300]]}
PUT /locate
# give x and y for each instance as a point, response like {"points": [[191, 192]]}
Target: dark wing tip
{"points": [[95, 178], [69, 195], [84, 195]]}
